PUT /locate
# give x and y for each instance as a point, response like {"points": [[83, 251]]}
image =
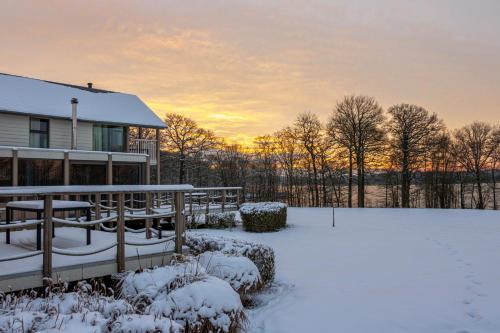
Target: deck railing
{"points": [[144, 146], [112, 207]]}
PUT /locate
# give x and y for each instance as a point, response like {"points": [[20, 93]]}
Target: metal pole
{"points": [[333, 211], [74, 103]]}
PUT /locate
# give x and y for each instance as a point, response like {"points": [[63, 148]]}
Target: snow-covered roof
{"points": [[51, 99]]}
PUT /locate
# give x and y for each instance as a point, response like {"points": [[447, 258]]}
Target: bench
{"points": [[37, 206]]}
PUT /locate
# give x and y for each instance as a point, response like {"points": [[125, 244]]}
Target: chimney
{"points": [[74, 103], [89, 85]]}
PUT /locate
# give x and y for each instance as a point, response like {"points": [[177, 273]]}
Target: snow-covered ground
{"points": [[381, 270]]}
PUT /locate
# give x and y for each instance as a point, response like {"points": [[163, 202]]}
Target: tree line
{"points": [[404, 156]]}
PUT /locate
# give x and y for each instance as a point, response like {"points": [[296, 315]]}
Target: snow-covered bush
{"points": [[206, 305], [220, 220], [263, 216], [85, 310], [185, 293], [261, 255], [240, 272], [146, 285], [143, 324]]}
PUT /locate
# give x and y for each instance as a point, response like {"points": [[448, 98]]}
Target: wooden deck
{"points": [[115, 247], [28, 272]]}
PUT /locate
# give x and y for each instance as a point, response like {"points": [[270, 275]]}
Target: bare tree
{"points": [[412, 130], [495, 158], [357, 125], [475, 145], [184, 137], [288, 154], [308, 133]]}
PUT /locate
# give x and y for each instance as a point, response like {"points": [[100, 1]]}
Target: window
{"points": [[88, 173], [39, 133], [109, 138], [5, 171], [128, 174], [34, 172]]}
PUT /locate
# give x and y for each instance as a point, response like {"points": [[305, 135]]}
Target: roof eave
{"points": [[30, 114]]}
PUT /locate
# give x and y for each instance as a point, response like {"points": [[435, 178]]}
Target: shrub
{"points": [[220, 220], [263, 216], [206, 305], [186, 294], [261, 255], [240, 272]]}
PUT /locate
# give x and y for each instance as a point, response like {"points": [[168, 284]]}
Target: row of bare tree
{"points": [[406, 152]]}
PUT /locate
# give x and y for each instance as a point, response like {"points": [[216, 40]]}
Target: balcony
{"points": [[144, 146]]}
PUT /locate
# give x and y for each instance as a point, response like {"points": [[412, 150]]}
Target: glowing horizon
{"points": [[247, 68]]}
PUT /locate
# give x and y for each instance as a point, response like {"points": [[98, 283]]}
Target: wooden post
{"points": [[223, 200], [179, 220], [97, 209], [109, 170], [238, 199], [207, 208], [191, 203], [149, 210], [158, 152], [47, 236], [15, 173], [66, 178], [66, 168], [15, 168], [109, 180], [147, 172], [120, 234], [127, 139]]}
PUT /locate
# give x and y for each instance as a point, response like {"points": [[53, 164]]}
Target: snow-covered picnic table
{"points": [[38, 207]]}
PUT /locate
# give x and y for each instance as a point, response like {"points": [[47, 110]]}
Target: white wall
{"points": [[60, 134], [14, 131]]}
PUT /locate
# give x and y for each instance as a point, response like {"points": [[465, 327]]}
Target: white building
{"points": [[40, 146]]}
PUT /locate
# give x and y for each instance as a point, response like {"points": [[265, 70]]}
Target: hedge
{"points": [[263, 216]]}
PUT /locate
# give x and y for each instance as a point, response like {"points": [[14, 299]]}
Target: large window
{"points": [[127, 174], [5, 171], [88, 173], [39, 133], [109, 138], [40, 172]]}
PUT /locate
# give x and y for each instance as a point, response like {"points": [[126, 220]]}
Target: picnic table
{"points": [[37, 206]]}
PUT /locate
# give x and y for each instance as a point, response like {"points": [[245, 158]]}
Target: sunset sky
{"points": [[246, 68]]}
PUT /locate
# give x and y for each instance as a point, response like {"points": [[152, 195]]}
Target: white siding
{"points": [[84, 136], [60, 134], [14, 130]]}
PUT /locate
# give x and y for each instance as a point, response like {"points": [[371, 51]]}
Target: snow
{"points": [[184, 292], [377, 270], [37, 97], [72, 239], [56, 204], [261, 207], [206, 299], [240, 272], [381, 270], [151, 282]]}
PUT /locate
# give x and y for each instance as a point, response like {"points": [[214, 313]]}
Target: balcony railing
{"points": [[144, 146]]}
